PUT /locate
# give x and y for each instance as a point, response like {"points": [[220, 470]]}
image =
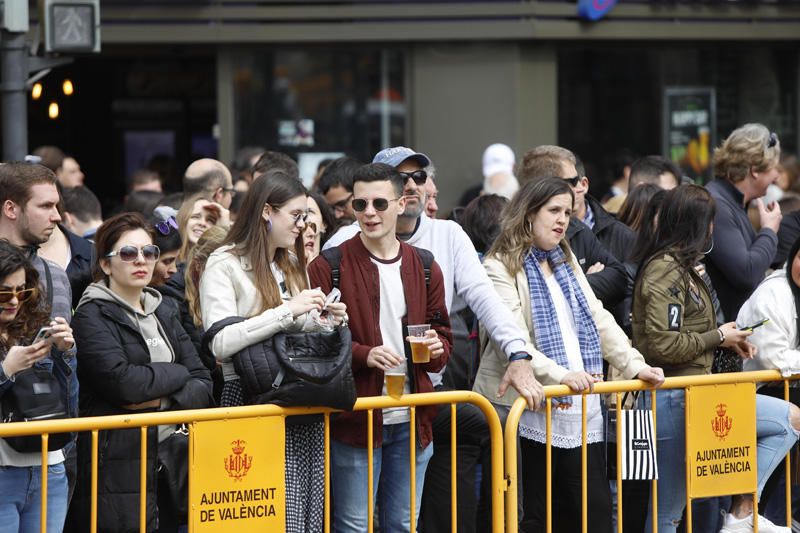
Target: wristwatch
{"points": [[520, 356]]}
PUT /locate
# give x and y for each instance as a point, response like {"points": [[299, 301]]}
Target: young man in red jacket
{"points": [[386, 286]]}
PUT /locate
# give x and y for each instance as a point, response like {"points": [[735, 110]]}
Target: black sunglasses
{"points": [[419, 177], [573, 181], [164, 226], [380, 204], [130, 253], [772, 141], [22, 295]]}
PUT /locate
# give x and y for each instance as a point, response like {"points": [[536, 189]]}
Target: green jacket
{"points": [[674, 325]]}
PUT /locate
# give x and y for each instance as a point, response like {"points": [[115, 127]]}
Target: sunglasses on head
{"points": [[772, 141], [380, 204], [130, 253], [573, 181], [21, 295], [419, 177], [164, 226]]}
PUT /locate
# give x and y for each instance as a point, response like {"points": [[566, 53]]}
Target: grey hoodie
{"points": [[157, 343]]}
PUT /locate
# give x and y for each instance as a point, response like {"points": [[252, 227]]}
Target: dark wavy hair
{"points": [[110, 232], [683, 228], [33, 313]]}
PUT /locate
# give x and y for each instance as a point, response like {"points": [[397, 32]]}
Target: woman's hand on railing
{"points": [[652, 375], [579, 381], [519, 375]]}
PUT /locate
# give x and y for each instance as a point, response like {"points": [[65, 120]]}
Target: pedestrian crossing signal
{"points": [[72, 26]]}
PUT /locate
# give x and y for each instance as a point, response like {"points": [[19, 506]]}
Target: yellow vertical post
{"points": [[654, 483], [413, 459], [755, 513], [327, 515], [619, 461], [548, 455], [584, 470], [686, 473], [43, 521], [143, 482], [453, 465], [93, 515], [190, 459], [788, 468], [370, 451]]}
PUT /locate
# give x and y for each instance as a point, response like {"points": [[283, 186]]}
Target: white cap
{"points": [[498, 158]]}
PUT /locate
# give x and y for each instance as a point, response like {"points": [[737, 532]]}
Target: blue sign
{"points": [[594, 9]]}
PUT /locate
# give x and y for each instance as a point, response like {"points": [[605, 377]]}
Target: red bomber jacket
{"points": [[360, 285]]}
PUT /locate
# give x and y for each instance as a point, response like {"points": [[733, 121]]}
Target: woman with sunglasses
{"points": [[135, 357], [320, 224], [260, 274], [22, 312]]}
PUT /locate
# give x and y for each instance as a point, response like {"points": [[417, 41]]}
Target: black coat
{"points": [[609, 285], [114, 369], [79, 269], [788, 233], [613, 234]]}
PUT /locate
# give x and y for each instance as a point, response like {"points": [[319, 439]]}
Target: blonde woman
{"points": [[745, 164]]}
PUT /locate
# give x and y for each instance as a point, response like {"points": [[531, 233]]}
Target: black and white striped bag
{"points": [[638, 454]]}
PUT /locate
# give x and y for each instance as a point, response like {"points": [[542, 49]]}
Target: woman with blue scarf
{"points": [[538, 277]]}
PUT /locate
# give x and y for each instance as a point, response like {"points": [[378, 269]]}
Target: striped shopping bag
{"points": [[638, 454]]}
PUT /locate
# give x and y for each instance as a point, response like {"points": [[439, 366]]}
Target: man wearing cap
{"points": [[465, 277]]}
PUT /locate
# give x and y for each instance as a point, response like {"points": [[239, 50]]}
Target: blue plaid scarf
{"points": [[545, 320]]}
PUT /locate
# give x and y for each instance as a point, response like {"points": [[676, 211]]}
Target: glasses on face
{"points": [[129, 253], [573, 182], [312, 227], [772, 141], [297, 216], [419, 177], [164, 226], [341, 205], [22, 295], [380, 204]]}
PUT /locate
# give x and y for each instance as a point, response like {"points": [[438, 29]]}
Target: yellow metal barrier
{"points": [[145, 420], [618, 387]]}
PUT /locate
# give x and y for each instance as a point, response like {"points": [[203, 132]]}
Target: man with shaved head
{"points": [[212, 177]]}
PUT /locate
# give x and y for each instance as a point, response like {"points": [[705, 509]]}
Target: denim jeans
{"points": [[20, 498], [391, 478], [774, 438]]}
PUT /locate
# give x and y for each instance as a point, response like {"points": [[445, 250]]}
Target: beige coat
{"points": [[514, 292]]}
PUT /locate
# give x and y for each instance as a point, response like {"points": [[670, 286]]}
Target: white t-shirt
{"points": [[392, 310]]}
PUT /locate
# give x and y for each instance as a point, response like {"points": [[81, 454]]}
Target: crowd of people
{"points": [[531, 282]]}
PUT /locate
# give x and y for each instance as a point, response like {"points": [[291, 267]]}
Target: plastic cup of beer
{"points": [[395, 381], [420, 353]]}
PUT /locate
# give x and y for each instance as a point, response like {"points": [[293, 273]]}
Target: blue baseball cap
{"points": [[396, 155]]}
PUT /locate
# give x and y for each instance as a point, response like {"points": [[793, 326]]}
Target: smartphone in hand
{"points": [[754, 326], [43, 335]]}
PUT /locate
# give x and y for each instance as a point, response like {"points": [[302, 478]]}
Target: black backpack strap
{"points": [[333, 256], [215, 328], [427, 262]]}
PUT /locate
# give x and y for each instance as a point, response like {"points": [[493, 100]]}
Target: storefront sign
{"points": [[690, 116], [594, 9], [721, 439], [236, 476]]}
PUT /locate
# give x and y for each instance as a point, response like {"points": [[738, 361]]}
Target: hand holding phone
{"points": [[43, 334], [756, 325]]}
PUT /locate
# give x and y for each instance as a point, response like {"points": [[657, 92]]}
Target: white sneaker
{"points": [[734, 525]]}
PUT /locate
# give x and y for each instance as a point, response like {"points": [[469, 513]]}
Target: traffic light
{"points": [[71, 26]]}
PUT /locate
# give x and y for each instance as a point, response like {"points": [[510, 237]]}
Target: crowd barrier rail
{"points": [[617, 388], [190, 417]]}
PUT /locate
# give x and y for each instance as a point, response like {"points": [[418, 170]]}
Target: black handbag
{"points": [[296, 369], [173, 472], [35, 395]]}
